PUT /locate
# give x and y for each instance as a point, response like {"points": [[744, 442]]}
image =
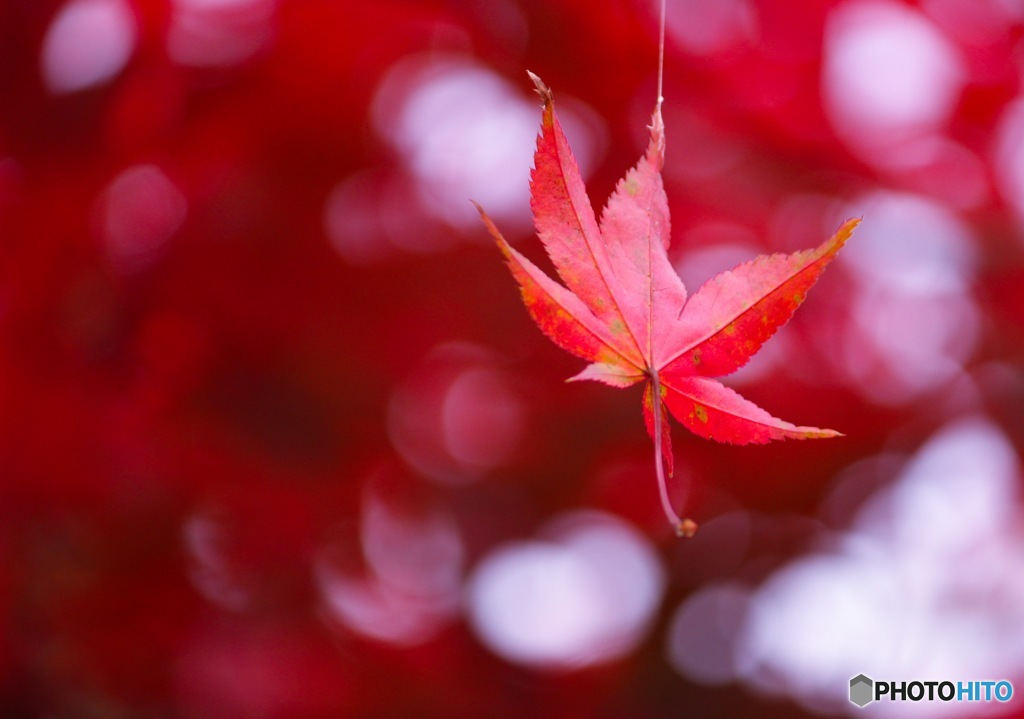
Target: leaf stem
{"points": [[684, 527], [661, 52]]}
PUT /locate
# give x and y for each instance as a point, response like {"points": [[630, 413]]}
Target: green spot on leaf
{"points": [[701, 413]]}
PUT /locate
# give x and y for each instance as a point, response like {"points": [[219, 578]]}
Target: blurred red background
{"points": [[278, 439]]}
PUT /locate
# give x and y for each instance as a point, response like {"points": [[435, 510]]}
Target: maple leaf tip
{"points": [[495, 232], [657, 129], [543, 90], [822, 434], [846, 229]]}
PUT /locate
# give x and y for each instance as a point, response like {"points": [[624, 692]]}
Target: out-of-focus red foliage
{"points": [[267, 399]]}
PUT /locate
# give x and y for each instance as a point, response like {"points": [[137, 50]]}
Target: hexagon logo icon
{"points": [[860, 690]]}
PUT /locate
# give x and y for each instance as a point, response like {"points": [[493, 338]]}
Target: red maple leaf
{"points": [[624, 308]]}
